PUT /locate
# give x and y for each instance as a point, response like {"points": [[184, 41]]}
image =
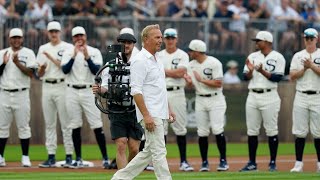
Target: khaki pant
{"points": [[154, 150]]}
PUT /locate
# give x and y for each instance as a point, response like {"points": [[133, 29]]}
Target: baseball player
{"points": [[53, 94], [264, 69], [80, 66], [206, 74], [305, 69], [17, 64], [125, 130], [175, 62]]}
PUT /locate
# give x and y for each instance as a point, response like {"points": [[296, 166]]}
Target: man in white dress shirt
{"points": [[17, 64], [148, 88], [53, 94]]}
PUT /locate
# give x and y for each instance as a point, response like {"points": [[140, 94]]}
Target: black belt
{"points": [[80, 86], [54, 81], [15, 90], [260, 91], [310, 92], [207, 95], [173, 88]]}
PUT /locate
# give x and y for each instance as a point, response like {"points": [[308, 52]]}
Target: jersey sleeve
{"points": [[281, 65], [245, 68], [66, 56], [217, 70], [184, 61], [296, 62], [97, 60], [40, 56], [105, 77], [31, 63]]}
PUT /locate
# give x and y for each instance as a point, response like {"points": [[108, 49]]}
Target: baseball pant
{"points": [[178, 105], [79, 100], [154, 150], [306, 110], [53, 104], [15, 105], [210, 112], [263, 107]]}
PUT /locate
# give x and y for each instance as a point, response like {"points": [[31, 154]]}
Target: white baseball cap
{"points": [[54, 25], [310, 32], [264, 36], [126, 30], [232, 64], [16, 32], [198, 45], [170, 32], [78, 30]]}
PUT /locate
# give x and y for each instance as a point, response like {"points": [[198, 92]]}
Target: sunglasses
{"points": [[309, 38]]}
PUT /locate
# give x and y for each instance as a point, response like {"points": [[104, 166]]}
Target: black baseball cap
{"points": [[126, 37]]}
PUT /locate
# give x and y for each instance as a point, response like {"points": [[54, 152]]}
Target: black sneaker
{"points": [[68, 162], [50, 163], [204, 166], [249, 167], [106, 164], [113, 164], [272, 167]]}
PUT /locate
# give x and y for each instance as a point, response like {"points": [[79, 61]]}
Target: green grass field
{"points": [[91, 152]]}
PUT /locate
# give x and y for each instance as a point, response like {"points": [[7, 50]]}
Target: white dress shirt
{"points": [[148, 79]]}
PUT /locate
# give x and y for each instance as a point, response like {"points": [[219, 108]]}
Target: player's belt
{"points": [[207, 95], [260, 91], [173, 88], [310, 92], [15, 90], [55, 81], [79, 86]]}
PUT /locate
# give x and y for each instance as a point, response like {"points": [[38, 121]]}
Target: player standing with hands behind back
{"points": [[264, 69], [305, 69], [81, 65]]}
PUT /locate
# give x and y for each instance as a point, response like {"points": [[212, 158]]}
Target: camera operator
{"points": [[125, 130]]}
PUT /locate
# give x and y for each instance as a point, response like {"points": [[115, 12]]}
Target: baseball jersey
{"points": [[80, 73], [209, 69], [52, 70], [310, 81], [273, 63], [178, 59], [13, 77]]}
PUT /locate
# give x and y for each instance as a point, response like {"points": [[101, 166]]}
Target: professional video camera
{"points": [[118, 94]]}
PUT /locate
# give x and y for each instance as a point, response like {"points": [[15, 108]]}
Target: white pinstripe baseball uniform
{"points": [[210, 102], [306, 104], [14, 94], [53, 97], [263, 102], [81, 100], [175, 89]]}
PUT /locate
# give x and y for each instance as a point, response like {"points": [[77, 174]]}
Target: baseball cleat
{"points": [[68, 162], [298, 167], [2, 161], [25, 161], [77, 164], [149, 168], [204, 166], [106, 164], [223, 166], [50, 163], [249, 167], [185, 166], [318, 167], [272, 167]]}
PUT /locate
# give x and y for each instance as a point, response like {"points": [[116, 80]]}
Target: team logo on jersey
{"points": [[23, 60], [270, 65], [317, 61], [208, 73], [60, 53], [175, 63]]}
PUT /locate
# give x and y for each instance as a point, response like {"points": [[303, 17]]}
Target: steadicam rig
{"points": [[116, 72]]}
